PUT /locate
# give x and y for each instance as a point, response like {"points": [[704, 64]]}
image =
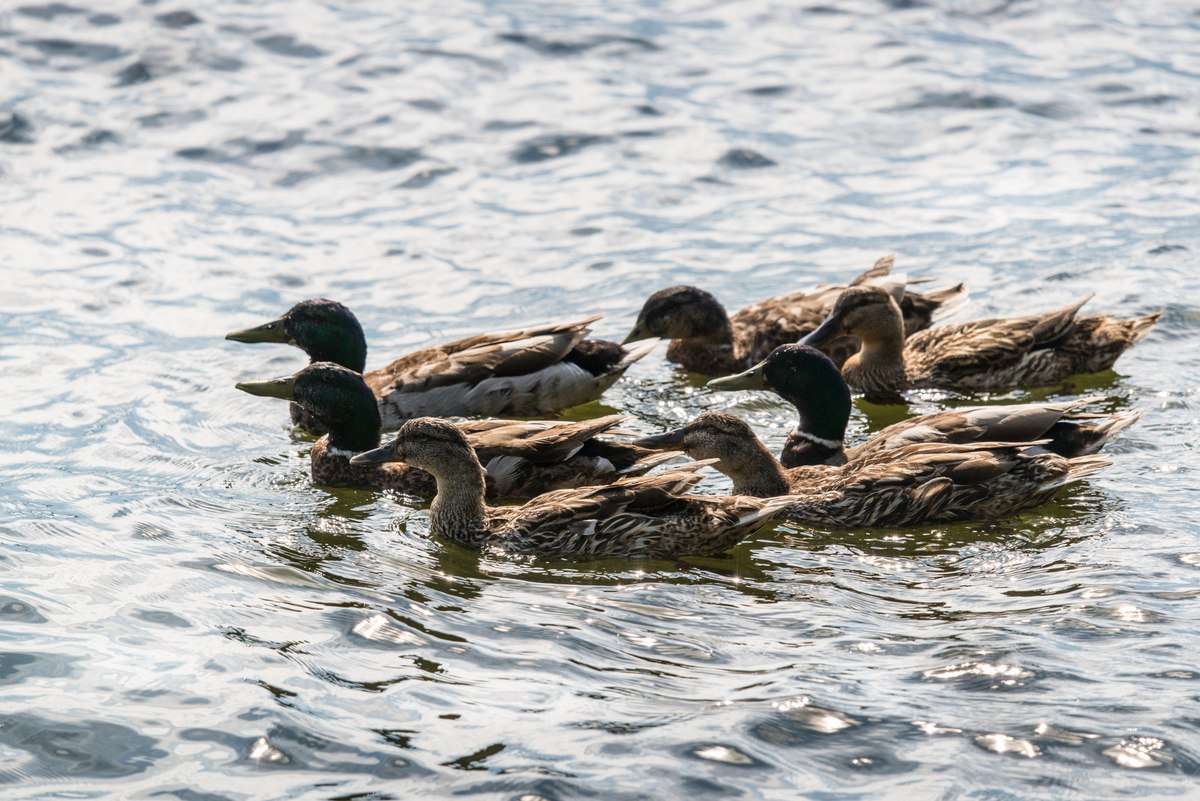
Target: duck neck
{"points": [[355, 434], [754, 471], [331, 467], [705, 357], [878, 369], [823, 411], [343, 344], [884, 345], [458, 512], [723, 335], [803, 448]]}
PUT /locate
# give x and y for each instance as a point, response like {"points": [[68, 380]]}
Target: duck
{"points": [[918, 483], [704, 339], [528, 372], [523, 458], [976, 356], [641, 517], [810, 381]]}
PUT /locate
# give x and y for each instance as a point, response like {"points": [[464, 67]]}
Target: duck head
{"points": [[338, 398], [807, 379], [324, 329], [710, 435], [681, 312], [867, 312], [434, 445]]}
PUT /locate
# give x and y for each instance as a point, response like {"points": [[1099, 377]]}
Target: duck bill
{"points": [[275, 388], [638, 333], [670, 441], [273, 331], [828, 331], [381, 455], [751, 379]]}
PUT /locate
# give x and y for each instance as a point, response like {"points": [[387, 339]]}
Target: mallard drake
{"points": [[644, 516], [917, 483], [980, 355], [523, 458], [704, 339], [521, 373], [807, 379]]}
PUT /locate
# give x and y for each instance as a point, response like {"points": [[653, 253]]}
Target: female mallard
{"points": [[810, 381], [523, 458], [704, 339], [977, 356], [644, 516], [523, 373], [917, 483]]}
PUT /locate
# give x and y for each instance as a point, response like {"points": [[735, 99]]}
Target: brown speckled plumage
{"points": [[809, 380], [980, 355], [332, 468], [523, 458], [909, 484], [705, 340], [638, 517]]}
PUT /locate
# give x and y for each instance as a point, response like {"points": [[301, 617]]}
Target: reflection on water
{"points": [[183, 614]]}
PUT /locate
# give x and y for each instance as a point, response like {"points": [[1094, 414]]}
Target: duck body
{"points": [[520, 373], [646, 517], [636, 517], [704, 339], [981, 355], [523, 458], [917, 483], [933, 482], [806, 378]]}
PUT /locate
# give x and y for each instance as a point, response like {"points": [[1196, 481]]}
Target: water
{"points": [[185, 616]]}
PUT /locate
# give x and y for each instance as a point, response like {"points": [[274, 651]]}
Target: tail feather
{"points": [[880, 268], [1098, 341], [649, 462], [633, 352], [1073, 308], [895, 285], [1140, 326], [765, 509], [1107, 429], [1082, 467], [949, 300], [587, 429], [1050, 327]]}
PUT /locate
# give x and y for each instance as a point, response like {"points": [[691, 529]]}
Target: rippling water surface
{"points": [[183, 615]]}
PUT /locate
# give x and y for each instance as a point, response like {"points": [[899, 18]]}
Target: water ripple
{"points": [[184, 614]]}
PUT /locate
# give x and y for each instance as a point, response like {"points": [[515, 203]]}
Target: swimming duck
{"points": [[642, 517], [980, 355], [521, 373], [523, 458], [916, 483], [704, 339], [807, 378]]}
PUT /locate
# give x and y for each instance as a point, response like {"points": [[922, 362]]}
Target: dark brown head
{"points": [[866, 312], [730, 440], [324, 329], [437, 446], [709, 435], [681, 312]]}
